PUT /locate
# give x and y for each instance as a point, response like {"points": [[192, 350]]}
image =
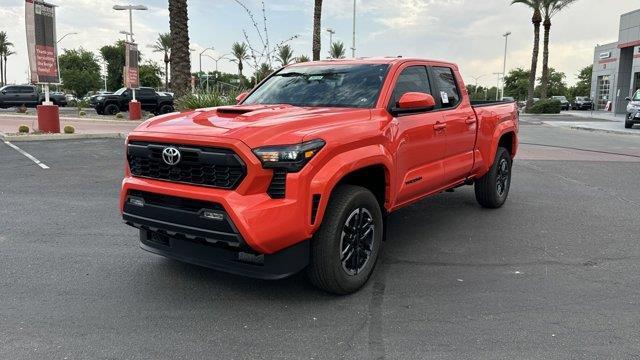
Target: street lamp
{"points": [[204, 51], [498, 84], [353, 46], [130, 8], [65, 35], [504, 65], [331, 33], [221, 57], [126, 35], [476, 78]]}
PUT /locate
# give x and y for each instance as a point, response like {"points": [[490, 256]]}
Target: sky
{"points": [[467, 32]]}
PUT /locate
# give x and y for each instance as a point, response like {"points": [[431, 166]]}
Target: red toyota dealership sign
{"points": [[41, 42], [131, 73]]}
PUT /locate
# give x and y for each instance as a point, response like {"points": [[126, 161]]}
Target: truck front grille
{"points": [[214, 167]]}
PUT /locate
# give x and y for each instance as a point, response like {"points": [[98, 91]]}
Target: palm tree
{"points": [[263, 71], [337, 50], [284, 55], [240, 52], [4, 53], [180, 58], [317, 16], [163, 45], [536, 19], [302, 59], [549, 9]]}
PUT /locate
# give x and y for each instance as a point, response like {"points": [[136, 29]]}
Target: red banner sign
{"points": [[131, 73], [41, 42]]}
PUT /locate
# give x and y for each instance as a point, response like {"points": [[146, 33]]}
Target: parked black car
{"points": [[152, 101], [564, 103], [582, 103], [27, 95]]}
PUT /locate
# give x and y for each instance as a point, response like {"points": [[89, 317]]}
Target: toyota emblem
{"points": [[171, 155]]}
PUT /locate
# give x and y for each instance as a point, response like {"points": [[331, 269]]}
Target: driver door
{"points": [[420, 140]]}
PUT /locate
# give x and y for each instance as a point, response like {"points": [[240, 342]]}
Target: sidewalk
{"points": [[9, 124], [602, 115], [598, 126]]}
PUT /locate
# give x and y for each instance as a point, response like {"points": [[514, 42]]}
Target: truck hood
{"points": [[255, 125]]}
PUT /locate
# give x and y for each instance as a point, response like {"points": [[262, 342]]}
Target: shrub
{"points": [[120, 115], [69, 129], [82, 113], [206, 100], [546, 106], [72, 103], [21, 109], [23, 129]]}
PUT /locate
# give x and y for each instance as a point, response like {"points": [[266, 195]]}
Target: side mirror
{"points": [[414, 102], [4, 91], [241, 97], [628, 98]]}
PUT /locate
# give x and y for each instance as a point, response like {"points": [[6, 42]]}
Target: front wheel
{"points": [[628, 124], [345, 249], [492, 189]]}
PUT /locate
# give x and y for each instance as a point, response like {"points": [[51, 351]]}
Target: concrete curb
{"points": [[606, 131], [64, 118], [50, 137]]}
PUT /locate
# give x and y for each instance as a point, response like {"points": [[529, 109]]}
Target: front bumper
{"points": [[633, 116]]}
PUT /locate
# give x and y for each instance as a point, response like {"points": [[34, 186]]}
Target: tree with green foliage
{"points": [[536, 19], [549, 9], [114, 55], [151, 75], [583, 86], [317, 20], [516, 83], [263, 71], [163, 45], [337, 50], [5, 51], [556, 84], [80, 72], [240, 52], [284, 55], [302, 59]]}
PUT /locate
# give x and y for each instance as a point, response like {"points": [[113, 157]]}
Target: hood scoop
{"points": [[234, 110]]}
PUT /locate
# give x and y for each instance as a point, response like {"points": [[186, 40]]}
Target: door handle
{"points": [[439, 126], [471, 120]]}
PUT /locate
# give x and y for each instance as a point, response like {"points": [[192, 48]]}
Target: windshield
{"points": [[562, 98], [323, 85], [119, 92], [636, 96]]}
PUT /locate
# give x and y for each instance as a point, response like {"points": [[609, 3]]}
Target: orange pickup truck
{"points": [[303, 172]]}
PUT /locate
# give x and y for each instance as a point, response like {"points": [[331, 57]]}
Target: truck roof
{"points": [[372, 60]]}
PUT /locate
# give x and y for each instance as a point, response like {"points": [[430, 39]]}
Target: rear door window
{"points": [[412, 79], [448, 91]]}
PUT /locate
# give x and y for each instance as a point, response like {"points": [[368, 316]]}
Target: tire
{"points": [[111, 109], [165, 109], [99, 111], [628, 124], [347, 207], [492, 189]]}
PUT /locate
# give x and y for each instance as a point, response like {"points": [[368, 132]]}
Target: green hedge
{"points": [[547, 106], [206, 100]]}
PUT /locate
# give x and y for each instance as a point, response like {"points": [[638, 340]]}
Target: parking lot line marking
{"points": [[27, 155]]}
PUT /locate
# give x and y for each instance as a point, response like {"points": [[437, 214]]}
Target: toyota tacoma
{"points": [[302, 173]]}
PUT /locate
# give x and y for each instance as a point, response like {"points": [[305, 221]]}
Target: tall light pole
{"points": [[331, 33], [498, 85], [130, 8], [353, 46], [65, 35], [476, 78], [202, 53], [504, 64], [221, 57]]}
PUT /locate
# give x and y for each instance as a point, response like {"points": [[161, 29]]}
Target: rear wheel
{"points": [[492, 189], [345, 249], [111, 109], [165, 109]]}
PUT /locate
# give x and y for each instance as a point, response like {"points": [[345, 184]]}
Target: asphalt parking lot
{"points": [[553, 274]]}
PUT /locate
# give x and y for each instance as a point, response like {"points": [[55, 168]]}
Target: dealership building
{"points": [[616, 66]]}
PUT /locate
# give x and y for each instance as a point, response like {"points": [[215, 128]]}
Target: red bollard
{"points": [[49, 118], [135, 110]]}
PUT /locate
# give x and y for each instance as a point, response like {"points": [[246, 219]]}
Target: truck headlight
{"points": [[100, 98], [290, 157]]}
